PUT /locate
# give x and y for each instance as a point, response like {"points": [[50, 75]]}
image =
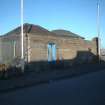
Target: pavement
{"points": [[32, 78]]}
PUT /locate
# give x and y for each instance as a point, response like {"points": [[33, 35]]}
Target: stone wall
{"points": [[67, 47]]}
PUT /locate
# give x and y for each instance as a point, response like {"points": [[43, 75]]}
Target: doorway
{"points": [[51, 52]]}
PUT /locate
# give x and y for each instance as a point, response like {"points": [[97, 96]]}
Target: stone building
{"points": [[41, 45]]}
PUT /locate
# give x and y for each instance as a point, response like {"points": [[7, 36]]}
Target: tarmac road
{"points": [[88, 89]]}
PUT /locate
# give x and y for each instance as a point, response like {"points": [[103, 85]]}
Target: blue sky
{"points": [[78, 16]]}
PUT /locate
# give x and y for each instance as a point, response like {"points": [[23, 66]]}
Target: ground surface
{"points": [[88, 89], [33, 78]]}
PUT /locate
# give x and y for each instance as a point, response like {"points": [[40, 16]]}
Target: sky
{"points": [[77, 16]]}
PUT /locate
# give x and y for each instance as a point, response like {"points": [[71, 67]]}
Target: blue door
{"points": [[51, 52]]}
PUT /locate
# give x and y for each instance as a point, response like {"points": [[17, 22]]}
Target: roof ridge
{"points": [[66, 32]]}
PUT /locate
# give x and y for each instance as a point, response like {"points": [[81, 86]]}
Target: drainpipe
{"points": [[28, 42], [14, 47]]}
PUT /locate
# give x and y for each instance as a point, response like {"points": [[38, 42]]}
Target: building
{"points": [[41, 45]]}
